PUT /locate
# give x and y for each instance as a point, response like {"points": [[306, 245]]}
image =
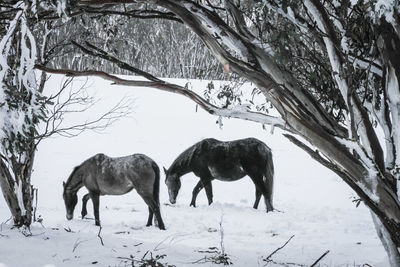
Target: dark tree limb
{"points": [[177, 89], [103, 54], [391, 225]]}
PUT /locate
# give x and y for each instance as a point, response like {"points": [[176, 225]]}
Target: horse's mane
{"points": [[70, 176], [184, 159]]}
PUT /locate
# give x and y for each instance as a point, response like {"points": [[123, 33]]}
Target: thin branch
{"points": [[238, 19], [276, 250], [319, 259], [103, 54], [148, 14], [76, 102], [77, 243], [177, 89]]}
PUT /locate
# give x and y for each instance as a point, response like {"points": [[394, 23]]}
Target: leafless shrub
{"points": [[216, 255], [148, 260], [71, 100]]}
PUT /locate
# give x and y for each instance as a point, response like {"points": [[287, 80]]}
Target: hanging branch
{"points": [[177, 89]]}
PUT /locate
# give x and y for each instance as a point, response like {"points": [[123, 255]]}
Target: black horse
{"points": [[103, 175], [226, 161]]}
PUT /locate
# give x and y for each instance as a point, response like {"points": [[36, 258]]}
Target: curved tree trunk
{"points": [[301, 113]]}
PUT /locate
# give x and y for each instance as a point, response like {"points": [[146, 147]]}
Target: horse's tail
{"points": [[156, 187], [269, 175]]}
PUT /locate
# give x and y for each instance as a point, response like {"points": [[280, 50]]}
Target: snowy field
{"points": [[316, 206]]}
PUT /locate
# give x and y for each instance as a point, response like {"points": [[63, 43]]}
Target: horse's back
{"points": [[119, 175], [136, 167], [238, 156], [253, 144]]}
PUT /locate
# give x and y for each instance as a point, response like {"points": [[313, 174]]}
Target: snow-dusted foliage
{"points": [[22, 105], [22, 108]]}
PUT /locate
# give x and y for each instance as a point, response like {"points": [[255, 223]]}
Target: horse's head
{"points": [[173, 183], [70, 200]]}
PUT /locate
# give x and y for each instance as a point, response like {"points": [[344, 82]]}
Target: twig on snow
{"points": [[320, 258], [77, 243], [218, 256], [69, 230], [276, 250], [5, 222]]}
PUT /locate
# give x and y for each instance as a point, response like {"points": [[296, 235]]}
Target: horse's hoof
{"points": [[162, 227], [192, 205]]}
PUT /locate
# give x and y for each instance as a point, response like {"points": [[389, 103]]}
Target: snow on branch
{"points": [[359, 123], [21, 104], [238, 19], [217, 28], [238, 113], [370, 165]]}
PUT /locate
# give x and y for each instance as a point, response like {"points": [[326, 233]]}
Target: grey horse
{"points": [[212, 159], [103, 175]]}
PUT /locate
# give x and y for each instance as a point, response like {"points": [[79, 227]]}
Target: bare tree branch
{"points": [[177, 89], [77, 101], [268, 258]]}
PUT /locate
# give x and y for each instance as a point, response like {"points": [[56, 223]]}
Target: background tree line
{"points": [[161, 47]]}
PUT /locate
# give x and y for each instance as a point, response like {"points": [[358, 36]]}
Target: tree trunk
{"points": [[8, 188], [387, 242], [18, 192]]}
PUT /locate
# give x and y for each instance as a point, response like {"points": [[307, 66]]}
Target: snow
{"points": [[5, 46], [394, 101], [385, 9], [18, 189], [13, 120], [235, 45], [314, 204]]}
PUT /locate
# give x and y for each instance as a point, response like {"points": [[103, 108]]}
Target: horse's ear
{"points": [[165, 170], [63, 184]]}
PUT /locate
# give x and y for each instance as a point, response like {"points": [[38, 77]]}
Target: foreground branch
{"points": [[276, 250], [238, 113]]}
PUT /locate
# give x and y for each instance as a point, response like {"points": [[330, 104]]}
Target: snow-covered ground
{"points": [[316, 206]]}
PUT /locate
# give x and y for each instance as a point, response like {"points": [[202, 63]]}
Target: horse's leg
{"points": [[208, 187], [159, 219], [258, 197], [150, 219], [154, 207], [195, 192], [85, 199], [258, 181], [96, 203]]}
